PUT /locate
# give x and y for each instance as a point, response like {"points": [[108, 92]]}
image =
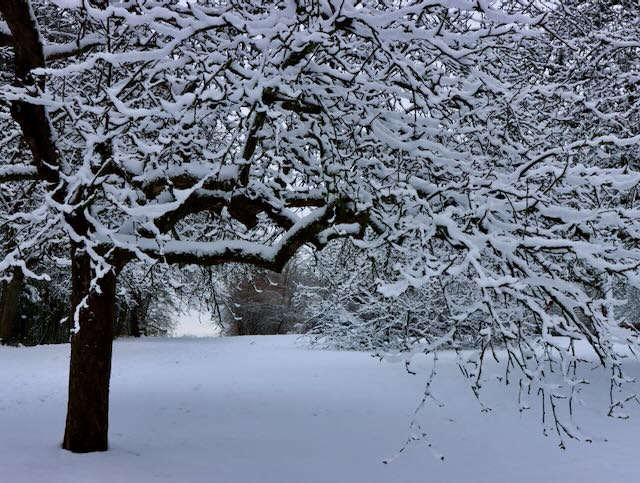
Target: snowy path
{"points": [[262, 409]]}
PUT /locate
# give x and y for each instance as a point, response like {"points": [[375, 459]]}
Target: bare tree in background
{"points": [[263, 302]]}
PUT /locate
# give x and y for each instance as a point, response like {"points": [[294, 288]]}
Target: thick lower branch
{"points": [[33, 119], [317, 229]]}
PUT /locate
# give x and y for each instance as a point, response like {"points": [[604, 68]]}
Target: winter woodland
{"points": [[401, 177]]}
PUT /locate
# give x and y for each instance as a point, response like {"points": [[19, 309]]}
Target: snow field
{"points": [[268, 409]]}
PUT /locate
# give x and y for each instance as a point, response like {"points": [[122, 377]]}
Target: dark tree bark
{"points": [[9, 324], [90, 370]]}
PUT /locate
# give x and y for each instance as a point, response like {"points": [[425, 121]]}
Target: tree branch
{"points": [[32, 118], [18, 173], [55, 52], [315, 229]]}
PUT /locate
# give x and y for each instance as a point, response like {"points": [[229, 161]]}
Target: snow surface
{"points": [[267, 409], [196, 324]]}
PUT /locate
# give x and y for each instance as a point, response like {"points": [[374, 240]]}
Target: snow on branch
{"points": [[17, 173], [6, 40], [314, 228], [56, 52]]}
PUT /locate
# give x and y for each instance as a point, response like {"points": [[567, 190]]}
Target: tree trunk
{"points": [[9, 326], [55, 332], [134, 320], [88, 407]]}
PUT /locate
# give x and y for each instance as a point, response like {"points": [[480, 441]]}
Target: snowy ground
{"points": [[264, 409]]}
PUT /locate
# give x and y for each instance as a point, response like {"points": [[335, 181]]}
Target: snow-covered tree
{"points": [[219, 132], [344, 307]]}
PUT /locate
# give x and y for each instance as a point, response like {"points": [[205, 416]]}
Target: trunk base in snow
{"points": [[88, 408]]}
